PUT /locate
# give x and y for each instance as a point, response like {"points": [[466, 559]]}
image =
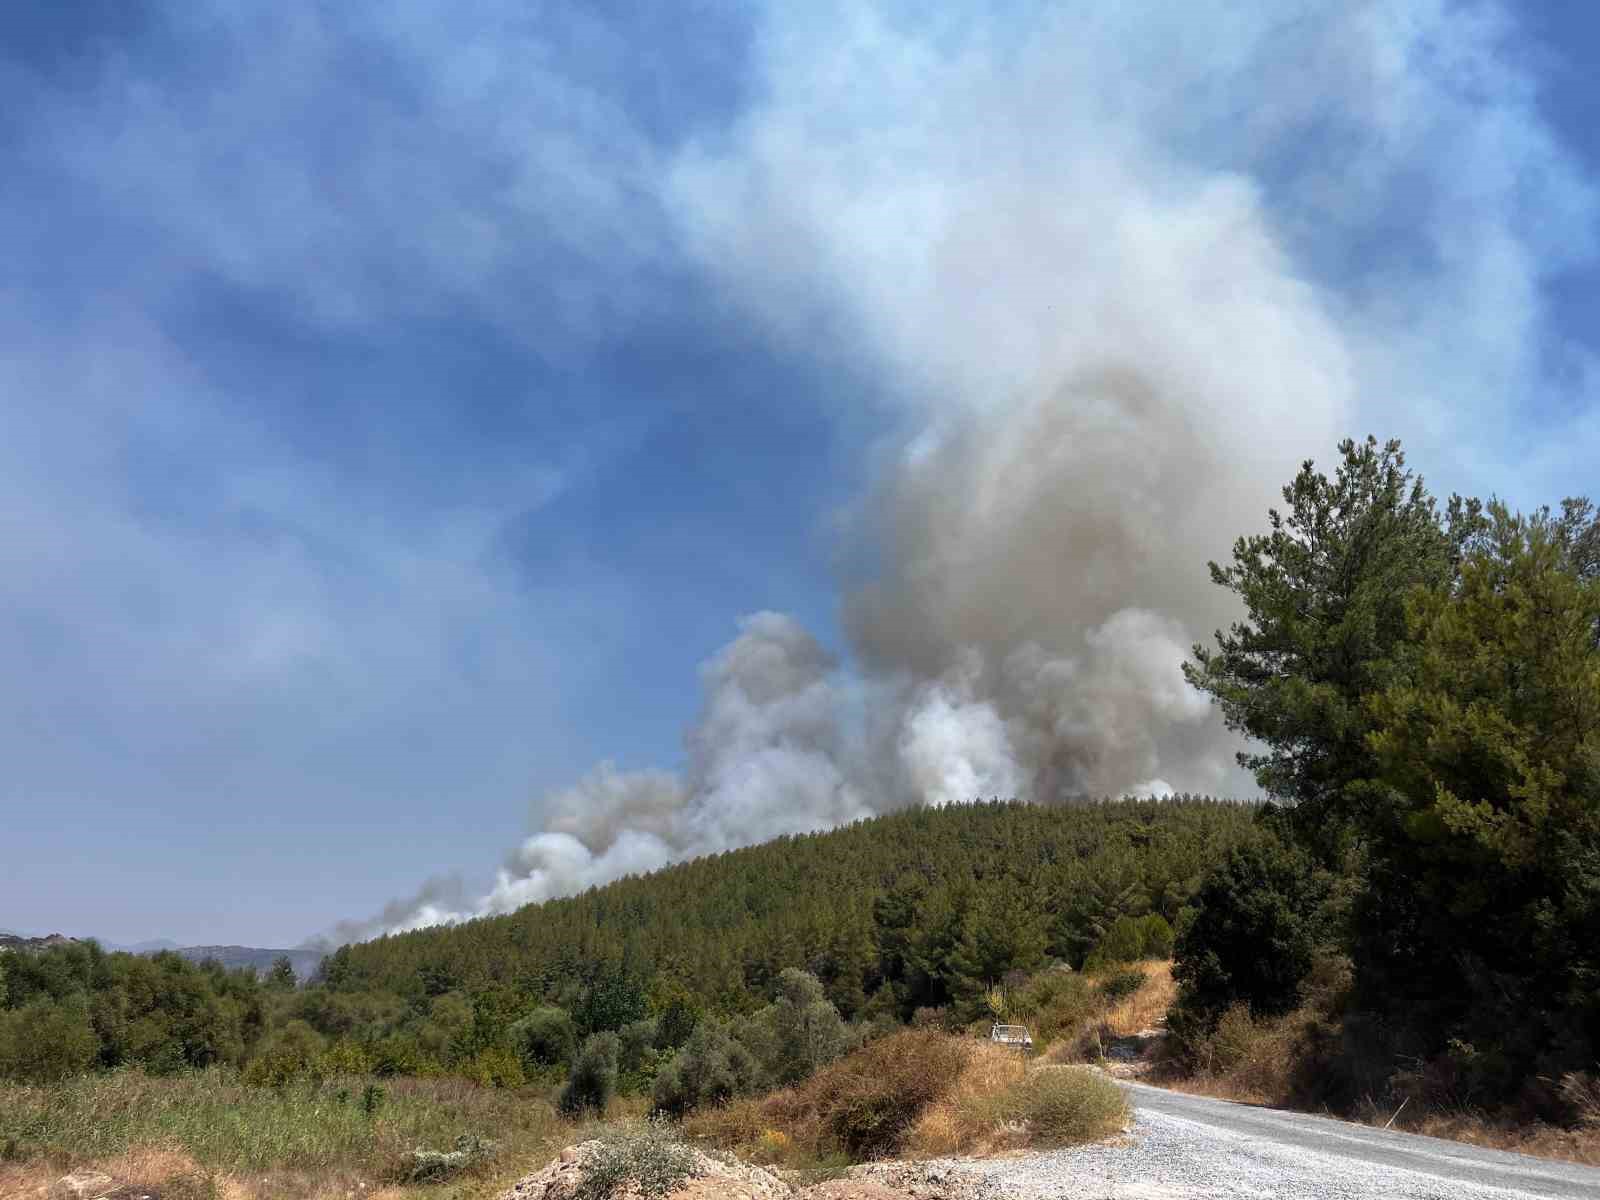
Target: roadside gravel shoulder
{"points": [[1183, 1147]]}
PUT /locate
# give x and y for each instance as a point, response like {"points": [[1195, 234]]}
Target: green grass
{"points": [[224, 1125]]}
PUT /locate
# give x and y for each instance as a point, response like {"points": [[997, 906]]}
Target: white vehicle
{"points": [[1011, 1035]]}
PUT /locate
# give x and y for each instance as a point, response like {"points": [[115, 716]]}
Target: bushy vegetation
{"points": [[865, 1105], [918, 1092], [1061, 1105]]}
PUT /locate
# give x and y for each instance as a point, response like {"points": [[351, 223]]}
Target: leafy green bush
{"points": [[1056, 1003], [546, 1037], [494, 1066], [1156, 936], [287, 1055], [711, 1068], [594, 1075], [1256, 927], [1132, 939], [42, 1041], [1121, 984], [637, 1057], [647, 1158]]}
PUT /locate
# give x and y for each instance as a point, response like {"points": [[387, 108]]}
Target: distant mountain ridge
{"points": [[259, 959], [16, 941], [305, 962]]}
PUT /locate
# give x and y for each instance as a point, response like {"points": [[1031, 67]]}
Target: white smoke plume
{"points": [[766, 757], [1090, 267]]}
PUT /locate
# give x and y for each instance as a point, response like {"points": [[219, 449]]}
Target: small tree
{"points": [[594, 1076], [807, 1029], [675, 1010], [281, 976]]}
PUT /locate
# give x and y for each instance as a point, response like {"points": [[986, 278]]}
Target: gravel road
{"points": [[1190, 1147]]}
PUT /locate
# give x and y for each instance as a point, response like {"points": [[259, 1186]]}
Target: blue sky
{"points": [[402, 402]]}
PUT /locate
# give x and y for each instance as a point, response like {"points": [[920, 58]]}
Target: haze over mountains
{"points": [[258, 958]]}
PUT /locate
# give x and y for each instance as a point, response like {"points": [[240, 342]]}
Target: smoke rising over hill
{"points": [[1085, 267]]}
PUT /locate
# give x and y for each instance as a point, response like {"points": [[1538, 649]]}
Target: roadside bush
{"points": [[1581, 1091], [865, 1104], [712, 1068], [1056, 1003], [594, 1076], [1061, 1105], [645, 1158]]}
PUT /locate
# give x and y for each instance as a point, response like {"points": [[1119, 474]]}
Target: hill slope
{"points": [[916, 901]]}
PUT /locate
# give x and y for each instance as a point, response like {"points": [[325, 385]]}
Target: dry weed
{"points": [[947, 1125]]}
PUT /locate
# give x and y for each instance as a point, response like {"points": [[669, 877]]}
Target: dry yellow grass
{"points": [[951, 1123], [1146, 1008]]}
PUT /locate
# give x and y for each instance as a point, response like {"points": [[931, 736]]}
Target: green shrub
{"points": [[712, 1068], [645, 1158], [1063, 1105], [1132, 939], [676, 1013], [42, 1041], [1121, 984], [494, 1067], [1254, 932], [1122, 943], [289, 1054], [594, 1076], [637, 1057], [546, 1037], [1156, 936], [1057, 1002]]}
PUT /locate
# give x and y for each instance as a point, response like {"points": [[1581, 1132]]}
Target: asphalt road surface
{"points": [[1193, 1148]]}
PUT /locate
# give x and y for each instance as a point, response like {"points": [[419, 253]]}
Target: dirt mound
{"points": [[571, 1177]]}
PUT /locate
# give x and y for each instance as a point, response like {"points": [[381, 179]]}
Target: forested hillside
{"points": [[919, 909], [922, 902]]}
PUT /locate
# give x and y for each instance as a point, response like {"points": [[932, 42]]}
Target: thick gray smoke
{"points": [[1105, 352]]}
